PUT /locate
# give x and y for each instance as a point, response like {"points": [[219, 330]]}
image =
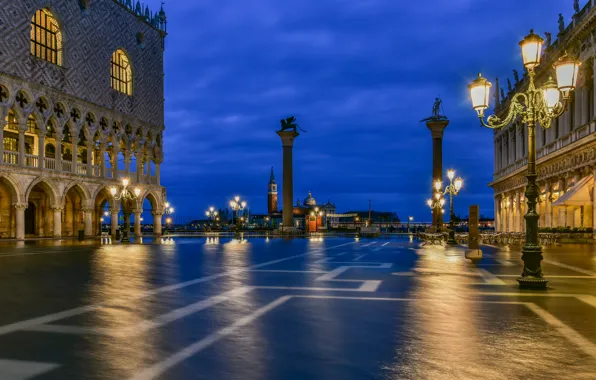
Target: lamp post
{"points": [[106, 215], [533, 106], [125, 194], [168, 210], [237, 205], [452, 189], [437, 202], [410, 219], [211, 214], [316, 213], [267, 219]]}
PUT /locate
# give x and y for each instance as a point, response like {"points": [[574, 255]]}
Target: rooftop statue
{"points": [[436, 113], [576, 6], [561, 24], [290, 123]]}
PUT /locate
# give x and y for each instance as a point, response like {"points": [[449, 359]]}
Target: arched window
{"points": [[121, 72], [50, 151], [46, 38]]}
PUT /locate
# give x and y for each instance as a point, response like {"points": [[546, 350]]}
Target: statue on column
{"points": [[290, 123], [436, 111]]}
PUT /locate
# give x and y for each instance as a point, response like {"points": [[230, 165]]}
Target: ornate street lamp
{"points": [[410, 219], [267, 219], [533, 106], [211, 214], [237, 205], [125, 194], [437, 202], [453, 190]]}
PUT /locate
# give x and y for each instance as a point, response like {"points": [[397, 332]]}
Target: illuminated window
{"points": [[121, 72], [46, 38]]}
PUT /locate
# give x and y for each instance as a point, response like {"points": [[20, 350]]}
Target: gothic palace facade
{"points": [[566, 152], [82, 105]]}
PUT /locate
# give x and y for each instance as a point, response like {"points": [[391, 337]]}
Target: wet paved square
{"points": [[291, 309]]}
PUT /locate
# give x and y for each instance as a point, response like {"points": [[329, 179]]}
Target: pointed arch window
{"points": [[121, 72], [46, 37]]}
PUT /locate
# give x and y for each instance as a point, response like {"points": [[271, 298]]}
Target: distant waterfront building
{"points": [[272, 194], [566, 153], [82, 106]]}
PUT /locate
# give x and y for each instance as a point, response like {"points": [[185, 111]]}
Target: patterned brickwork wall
{"points": [[90, 37]]}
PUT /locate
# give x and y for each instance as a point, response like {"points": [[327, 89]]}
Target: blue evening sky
{"points": [[359, 75]]}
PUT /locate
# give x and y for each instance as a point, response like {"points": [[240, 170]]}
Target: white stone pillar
{"points": [[90, 147], [3, 112], [127, 160], [102, 160], [496, 213], [88, 213], [57, 221], [42, 150], [75, 152], [20, 220], [114, 220], [157, 224], [58, 155], [138, 223], [139, 168], [21, 161], [547, 206], [157, 174]]}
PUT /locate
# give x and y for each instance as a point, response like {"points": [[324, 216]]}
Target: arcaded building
{"points": [[82, 106], [566, 153]]}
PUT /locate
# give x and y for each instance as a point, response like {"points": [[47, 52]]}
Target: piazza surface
{"points": [[330, 308]]}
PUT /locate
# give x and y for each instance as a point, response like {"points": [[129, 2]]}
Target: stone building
{"points": [[82, 107], [566, 152]]}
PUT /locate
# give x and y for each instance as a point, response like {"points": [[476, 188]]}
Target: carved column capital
{"points": [[20, 206]]}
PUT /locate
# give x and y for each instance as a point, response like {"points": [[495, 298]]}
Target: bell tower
{"points": [[272, 194]]}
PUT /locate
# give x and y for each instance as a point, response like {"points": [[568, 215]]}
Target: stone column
{"points": [[58, 155], [139, 168], [102, 160], [157, 174], [114, 220], [115, 153], [20, 220], [437, 127], [42, 150], [594, 201], [517, 212], [137, 213], [547, 206], [22, 128], [157, 224], [287, 142], [75, 152], [496, 213], [3, 112], [90, 147], [57, 211], [88, 214], [127, 159]]}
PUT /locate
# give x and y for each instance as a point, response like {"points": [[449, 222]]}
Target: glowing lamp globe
{"points": [[243, 204], [567, 70], [113, 190], [480, 94], [450, 174], [125, 182], [429, 202], [551, 94], [438, 185], [207, 213], [531, 47], [442, 201], [137, 191], [458, 183]]}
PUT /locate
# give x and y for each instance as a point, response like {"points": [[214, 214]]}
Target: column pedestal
{"points": [[287, 142], [88, 222], [20, 220], [138, 223]]}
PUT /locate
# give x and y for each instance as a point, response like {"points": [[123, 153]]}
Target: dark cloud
{"points": [[359, 76]]}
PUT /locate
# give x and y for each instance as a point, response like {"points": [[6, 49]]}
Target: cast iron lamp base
{"points": [[531, 282]]}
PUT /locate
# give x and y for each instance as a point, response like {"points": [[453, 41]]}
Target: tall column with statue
{"points": [[437, 124], [288, 134]]}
